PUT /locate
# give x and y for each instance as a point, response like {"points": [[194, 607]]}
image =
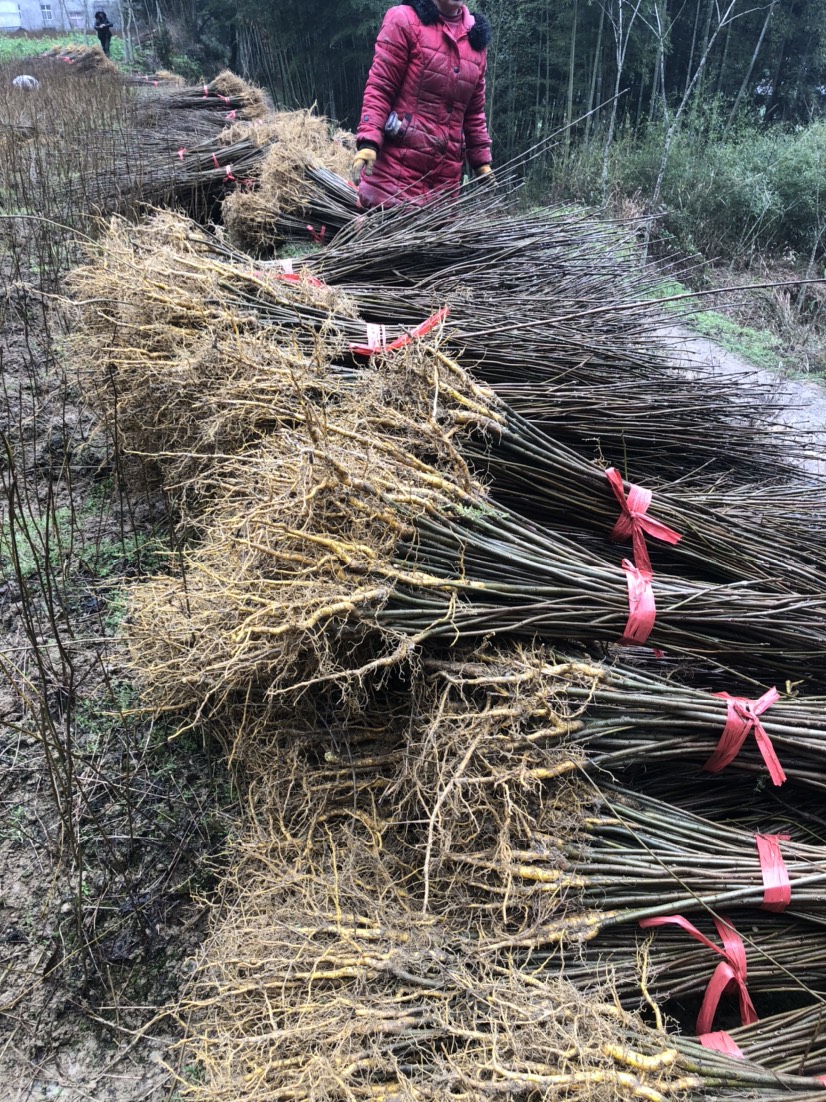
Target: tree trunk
{"points": [[597, 68], [655, 83], [671, 133], [494, 67], [750, 70], [723, 61], [690, 65], [569, 106], [705, 49], [773, 109], [621, 36]]}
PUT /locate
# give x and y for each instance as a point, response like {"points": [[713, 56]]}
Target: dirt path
{"points": [[804, 399]]}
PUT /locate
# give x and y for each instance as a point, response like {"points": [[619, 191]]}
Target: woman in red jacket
{"points": [[424, 104]]}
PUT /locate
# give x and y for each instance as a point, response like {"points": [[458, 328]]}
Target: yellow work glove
{"points": [[363, 162], [483, 170]]}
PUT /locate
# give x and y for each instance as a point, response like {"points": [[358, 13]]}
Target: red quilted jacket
{"points": [[435, 83]]}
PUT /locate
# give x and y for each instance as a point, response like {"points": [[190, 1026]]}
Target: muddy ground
{"points": [[111, 826]]}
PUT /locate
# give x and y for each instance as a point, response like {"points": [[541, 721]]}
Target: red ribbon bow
{"points": [[741, 717], [317, 235], [730, 972], [181, 152], [777, 890], [634, 520]]}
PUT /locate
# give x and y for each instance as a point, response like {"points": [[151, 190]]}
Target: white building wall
{"points": [[10, 19], [54, 15]]}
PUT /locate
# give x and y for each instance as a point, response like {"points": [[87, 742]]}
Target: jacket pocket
{"points": [[430, 140], [398, 132]]}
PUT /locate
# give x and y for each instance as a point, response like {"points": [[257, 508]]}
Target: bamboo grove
{"points": [[550, 65]]}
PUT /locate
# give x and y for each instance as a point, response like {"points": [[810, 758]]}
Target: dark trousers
{"points": [[105, 37]]}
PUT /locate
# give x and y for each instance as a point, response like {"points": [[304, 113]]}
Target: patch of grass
{"points": [[13, 827], [14, 47], [760, 347], [298, 248], [32, 541], [19, 47], [742, 195], [54, 541], [186, 67], [109, 557]]}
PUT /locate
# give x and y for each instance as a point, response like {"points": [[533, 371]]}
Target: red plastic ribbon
{"points": [[376, 336], [181, 152], [317, 235], [224, 99], [422, 330], [730, 972], [741, 717], [721, 1042], [231, 115], [206, 91], [215, 160], [777, 891], [634, 520], [228, 172], [287, 275], [295, 277], [642, 609]]}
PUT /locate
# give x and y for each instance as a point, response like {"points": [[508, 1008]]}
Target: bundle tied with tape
{"points": [[376, 336], [731, 972], [742, 717], [634, 523]]}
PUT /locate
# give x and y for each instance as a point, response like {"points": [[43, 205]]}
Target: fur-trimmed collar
{"points": [[478, 35]]}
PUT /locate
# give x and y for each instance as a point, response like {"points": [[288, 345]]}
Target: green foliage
{"points": [[14, 47], [755, 192], [27, 542], [162, 44], [55, 541], [544, 58], [185, 66]]}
